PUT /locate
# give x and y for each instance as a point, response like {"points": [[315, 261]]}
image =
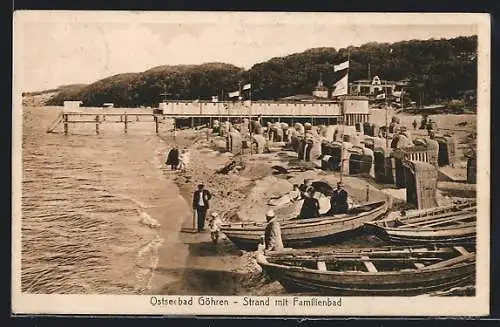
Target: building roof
{"points": [[304, 97], [382, 81]]}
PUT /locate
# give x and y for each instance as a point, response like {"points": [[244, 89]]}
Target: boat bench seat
{"points": [[369, 265], [321, 266]]}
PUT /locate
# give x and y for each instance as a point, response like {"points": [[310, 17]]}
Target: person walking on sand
{"points": [[182, 163], [215, 224], [415, 124], [173, 158], [272, 233], [201, 203]]}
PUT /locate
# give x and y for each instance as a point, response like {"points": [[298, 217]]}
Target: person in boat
{"points": [[338, 200], [295, 193], [201, 203], [306, 187], [272, 233], [310, 207], [215, 224], [173, 158]]}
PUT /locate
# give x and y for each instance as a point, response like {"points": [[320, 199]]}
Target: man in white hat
{"points": [[272, 235]]}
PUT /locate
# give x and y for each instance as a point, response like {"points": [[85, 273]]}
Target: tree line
{"points": [[441, 69]]}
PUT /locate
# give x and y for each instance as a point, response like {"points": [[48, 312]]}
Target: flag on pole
{"points": [[341, 66], [234, 94], [247, 86], [341, 86]]}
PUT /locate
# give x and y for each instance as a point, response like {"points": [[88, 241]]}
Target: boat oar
{"points": [[453, 261]]}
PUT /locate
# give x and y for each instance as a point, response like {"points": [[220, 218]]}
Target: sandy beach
{"points": [[102, 214]]}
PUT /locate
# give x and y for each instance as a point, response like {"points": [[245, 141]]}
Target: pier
{"points": [[350, 111]]}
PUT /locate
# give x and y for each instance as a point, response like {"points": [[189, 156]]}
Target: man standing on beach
{"points": [[272, 233], [201, 199]]}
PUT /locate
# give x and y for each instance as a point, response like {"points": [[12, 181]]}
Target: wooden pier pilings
{"points": [[180, 120], [67, 118]]}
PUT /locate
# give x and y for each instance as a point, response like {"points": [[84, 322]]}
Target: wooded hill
{"points": [[441, 69]]}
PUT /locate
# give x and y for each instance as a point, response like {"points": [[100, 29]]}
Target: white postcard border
{"points": [[387, 306]]}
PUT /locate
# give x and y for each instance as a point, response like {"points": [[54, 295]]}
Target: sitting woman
{"points": [[310, 207]]}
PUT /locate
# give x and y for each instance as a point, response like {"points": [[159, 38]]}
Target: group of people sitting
{"points": [[271, 241], [310, 207]]}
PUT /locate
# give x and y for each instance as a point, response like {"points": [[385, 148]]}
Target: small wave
{"points": [[146, 263], [148, 220]]}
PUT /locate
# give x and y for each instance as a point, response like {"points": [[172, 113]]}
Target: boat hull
{"points": [[448, 225], [303, 232], [457, 236], [409, 283], [402, 274]]}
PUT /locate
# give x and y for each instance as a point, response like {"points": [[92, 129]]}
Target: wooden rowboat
{"points": [[386, 271], [450, 225], [246, 235]]}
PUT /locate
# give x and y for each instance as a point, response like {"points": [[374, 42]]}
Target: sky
{"points": [[61, 51]]}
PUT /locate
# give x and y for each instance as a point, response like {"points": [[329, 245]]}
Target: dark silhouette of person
{"points": [[338, 201], [173, 158], [201, 203], [310, 207]]}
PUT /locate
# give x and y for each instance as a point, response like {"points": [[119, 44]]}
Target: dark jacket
{"points": [[173, 157], [338, 202], [310, 208], [206, 198]]}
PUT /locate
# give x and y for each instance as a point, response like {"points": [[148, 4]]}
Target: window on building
{"points": [[364, 90]]}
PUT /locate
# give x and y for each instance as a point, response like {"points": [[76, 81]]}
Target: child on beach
{"points": [[183, 160], [214, 225]]}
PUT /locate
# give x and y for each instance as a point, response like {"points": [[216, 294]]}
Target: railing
{"points": [[100, 118]]}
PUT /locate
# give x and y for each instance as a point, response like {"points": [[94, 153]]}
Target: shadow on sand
{"points": [[208, 249], [198, 281]]}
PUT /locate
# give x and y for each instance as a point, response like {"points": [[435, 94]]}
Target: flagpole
{"points": [[250, 116], [386, 122], [343, 120]]}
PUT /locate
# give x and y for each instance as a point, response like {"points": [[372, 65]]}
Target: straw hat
{"points": [[270, 214]]}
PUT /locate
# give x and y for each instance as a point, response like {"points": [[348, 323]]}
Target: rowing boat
{"points": [[386, 271], [447, 225], [297, 232]]}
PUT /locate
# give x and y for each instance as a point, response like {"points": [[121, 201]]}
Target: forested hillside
{"points": [[442, 69]]}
